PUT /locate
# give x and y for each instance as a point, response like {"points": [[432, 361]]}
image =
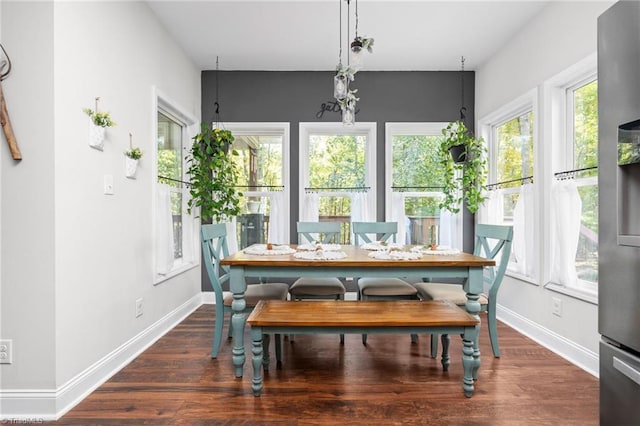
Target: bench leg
{"points": [[445, 352], [256, 339], [468, 362]]}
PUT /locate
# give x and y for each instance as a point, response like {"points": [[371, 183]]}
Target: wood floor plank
{"points": [[390, 381]]}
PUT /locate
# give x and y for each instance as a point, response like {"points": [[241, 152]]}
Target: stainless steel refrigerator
{"points": [[619, 213]]}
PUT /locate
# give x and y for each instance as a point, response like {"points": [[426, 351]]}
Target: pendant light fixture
{"points": [[345, 75]]}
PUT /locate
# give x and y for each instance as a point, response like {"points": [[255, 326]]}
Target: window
{"points": [[263, 163], [175, 239], [584, 140], [414, 182], [575, 123], [337, 173], [511, 199]]}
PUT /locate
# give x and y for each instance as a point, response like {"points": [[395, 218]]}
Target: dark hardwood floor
{"points": [[389, 381]]}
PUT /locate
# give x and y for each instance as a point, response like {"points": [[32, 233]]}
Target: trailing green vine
{"points": [[213, 175], [464, 181]]}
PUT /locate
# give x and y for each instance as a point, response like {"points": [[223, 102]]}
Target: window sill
{"points": [[177, 270], [520, 277], [583, 295]]}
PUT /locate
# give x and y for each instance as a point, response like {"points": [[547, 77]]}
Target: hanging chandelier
{"points": [[345, 75]]}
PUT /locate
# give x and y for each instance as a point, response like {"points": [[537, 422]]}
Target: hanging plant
{"points": [[100, 118], [213, 175], [465, 172]]}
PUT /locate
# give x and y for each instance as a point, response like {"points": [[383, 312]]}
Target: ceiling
{"points": [[295, 35]]}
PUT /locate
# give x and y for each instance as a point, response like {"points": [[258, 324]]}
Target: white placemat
{"points": [[380, 245], [316, 246], [320, 255], [440, 250], [395, 255], [262, 250]]}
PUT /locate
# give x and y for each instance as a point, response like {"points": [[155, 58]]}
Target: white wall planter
{"points": [[131, 167], [96, 136]]}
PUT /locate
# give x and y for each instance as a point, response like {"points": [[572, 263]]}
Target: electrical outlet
{"points": [[556, 306], [138, 307], [5, 351]]}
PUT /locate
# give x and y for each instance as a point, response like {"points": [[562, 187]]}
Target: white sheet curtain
{"points": [[164, 230], [309, 207], [398, 215], [566, 213], [523, 231], [232, 235], [492, 210], [189, 250], [449, 229], [276, 230]]}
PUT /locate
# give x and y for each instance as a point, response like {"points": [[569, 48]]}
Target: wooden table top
{"points": [[339, 313], [357, 257]]}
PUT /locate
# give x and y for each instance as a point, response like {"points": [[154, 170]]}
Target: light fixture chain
{"points": [[462, 107], [356, 18]]}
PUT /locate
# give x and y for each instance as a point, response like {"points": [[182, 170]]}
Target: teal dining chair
{"points": [[492, 242], [214, 248], [321, 287], [324, 287], [381, 288]]}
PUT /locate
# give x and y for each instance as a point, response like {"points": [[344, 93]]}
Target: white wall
{"points": [[28, 217], [74, 260], [561, 35]]}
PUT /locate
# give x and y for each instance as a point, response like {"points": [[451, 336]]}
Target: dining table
{"points": [[267, 262]]}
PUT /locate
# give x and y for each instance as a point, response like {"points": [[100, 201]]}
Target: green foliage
{"points": [[213, 175], [416, 166], [102, 119], [464, 181], [134, 153]]}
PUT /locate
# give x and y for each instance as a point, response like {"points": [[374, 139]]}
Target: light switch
{"points": [[108, 184]]}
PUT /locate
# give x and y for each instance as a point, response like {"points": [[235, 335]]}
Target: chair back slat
{"points": [[323, 232], [494, 242], [213, 238], [383, 231]]}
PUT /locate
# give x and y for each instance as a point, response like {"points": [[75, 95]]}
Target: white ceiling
{"points": [[414, 35]]}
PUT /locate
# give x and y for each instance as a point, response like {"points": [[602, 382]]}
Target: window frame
{"points": [[528, 102], [271, 128], [560, 116], [359, 128], [165, 105], [410, 128]]}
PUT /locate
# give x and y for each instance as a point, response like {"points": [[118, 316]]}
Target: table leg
{"points": [[473, 287], [238, 320], [256, 339], [266, 340]]}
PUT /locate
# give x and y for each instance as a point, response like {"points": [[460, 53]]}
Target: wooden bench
{"points": [[358, 317]]}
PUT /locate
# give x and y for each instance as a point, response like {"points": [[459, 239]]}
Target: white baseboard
{"points": [[38, 405], [575, 354]]}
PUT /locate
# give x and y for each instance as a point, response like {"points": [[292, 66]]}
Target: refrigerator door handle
{"points": [[626, 369]]}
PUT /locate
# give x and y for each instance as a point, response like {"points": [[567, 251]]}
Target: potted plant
{"points": [[98, 122], [463, 158], [213, 175], [132, 155]]}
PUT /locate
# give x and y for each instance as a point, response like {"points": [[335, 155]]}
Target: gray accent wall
{"points": [[297, 96]]}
